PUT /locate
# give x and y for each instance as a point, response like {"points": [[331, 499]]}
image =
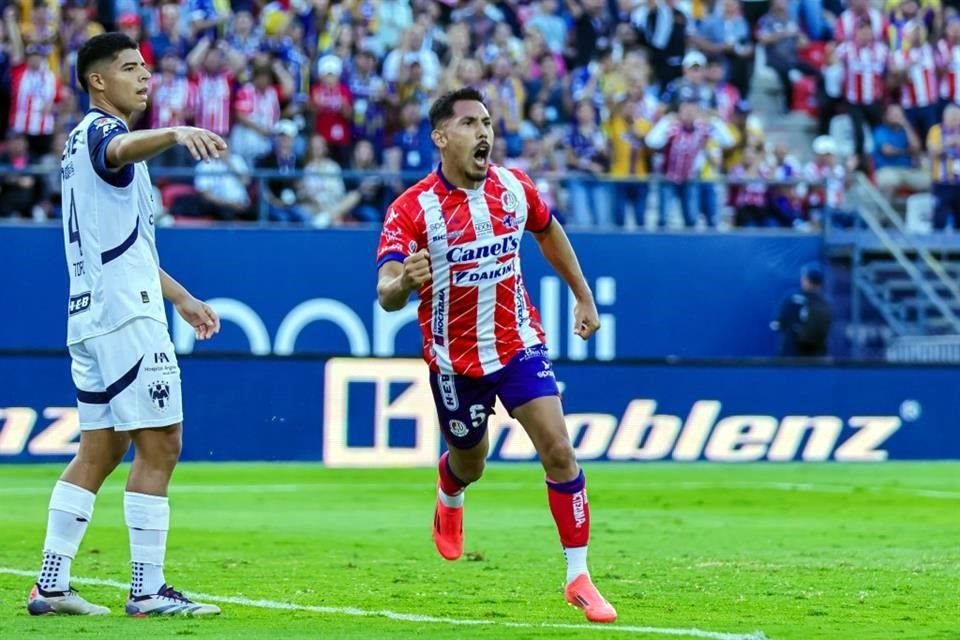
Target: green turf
{"points": [[855, 553]]}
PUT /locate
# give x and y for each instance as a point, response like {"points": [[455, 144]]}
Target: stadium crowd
{"points": [[592, 97]]}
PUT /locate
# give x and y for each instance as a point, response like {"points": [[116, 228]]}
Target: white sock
{"points": [[454, 501], [148, 518], [576, 562], [71, 508]]}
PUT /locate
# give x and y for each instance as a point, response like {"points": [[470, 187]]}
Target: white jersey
{"points": [[108, 234]]}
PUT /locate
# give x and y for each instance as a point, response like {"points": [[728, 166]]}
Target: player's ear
{"points": [[439, 138], [95, 80]]}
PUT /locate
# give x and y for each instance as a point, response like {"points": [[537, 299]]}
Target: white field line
{"points": [[415, 617], [639, 486]]}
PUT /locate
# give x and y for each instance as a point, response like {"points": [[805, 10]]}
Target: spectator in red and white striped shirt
{"points": [[257, 111], [916, 66], [214, 83], [683, 138], [859, 11], [36, 91], [171, 105], [751, 202], [864, 64], [948, 59]]}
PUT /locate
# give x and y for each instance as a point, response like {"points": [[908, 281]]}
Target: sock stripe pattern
{"points": [[450, 484], [570, 509]]}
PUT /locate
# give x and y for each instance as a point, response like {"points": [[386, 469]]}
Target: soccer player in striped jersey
{"points": [[123, 362], [454, 238]]}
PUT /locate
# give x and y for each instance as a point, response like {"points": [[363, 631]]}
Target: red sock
{"points": [[568, 503], [450, 484]]}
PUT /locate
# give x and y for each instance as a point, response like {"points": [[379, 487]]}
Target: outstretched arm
{"points": [[199, 314], [558, 251], [136, 146]]}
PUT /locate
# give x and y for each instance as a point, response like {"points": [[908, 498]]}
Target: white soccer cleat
{"points": [[168, 602], [68, 603]]}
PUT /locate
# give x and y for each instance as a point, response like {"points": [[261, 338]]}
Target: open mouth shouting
{"points": [[481, 155]]}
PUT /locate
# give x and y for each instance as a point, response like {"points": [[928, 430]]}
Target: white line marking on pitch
{"points": [[640, 486], [414, 617]]}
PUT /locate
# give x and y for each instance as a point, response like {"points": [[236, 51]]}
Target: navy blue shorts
{"points": [[465, 404]]}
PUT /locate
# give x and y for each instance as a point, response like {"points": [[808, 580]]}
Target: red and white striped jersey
{"points": [[948, 58], [846, 26], [920, 84], [263, 108], [33, 98], [828, 185], [863, 72], [751, 194], [475, 313], [213, 100], [170, 98]]}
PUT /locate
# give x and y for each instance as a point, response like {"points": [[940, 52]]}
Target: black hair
{"points": [[442, 109], [105, 46]]}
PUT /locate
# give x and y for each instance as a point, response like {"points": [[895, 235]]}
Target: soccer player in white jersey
{"points": [[124, 365]]}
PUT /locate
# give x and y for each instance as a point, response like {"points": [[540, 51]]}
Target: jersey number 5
{"points": [[73, 224]]}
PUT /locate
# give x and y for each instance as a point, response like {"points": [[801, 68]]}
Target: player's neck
{"points": [[453, 177], [103, 105]]}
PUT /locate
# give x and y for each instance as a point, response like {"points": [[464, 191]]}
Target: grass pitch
{"points": [[795, 552]]}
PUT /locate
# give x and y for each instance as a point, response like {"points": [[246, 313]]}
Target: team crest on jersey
{"points": [[412, 246], [159, 394], [458, 428], [509, 201]]}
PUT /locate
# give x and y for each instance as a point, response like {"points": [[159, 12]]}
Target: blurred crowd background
{"points": [[629, 113]]}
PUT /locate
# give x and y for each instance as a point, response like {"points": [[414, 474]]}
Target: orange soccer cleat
{"points": [[581, 593], [448, 530]]}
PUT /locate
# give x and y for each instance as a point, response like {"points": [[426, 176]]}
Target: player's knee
{"points": [[101, 460], [559, 459], [161, 452]]}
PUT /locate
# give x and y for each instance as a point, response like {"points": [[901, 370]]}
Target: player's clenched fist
{"points": [[201, 143], [416, 269]]}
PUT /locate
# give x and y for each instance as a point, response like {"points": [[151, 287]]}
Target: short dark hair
{"points": [[442, 109], [105, 46]]}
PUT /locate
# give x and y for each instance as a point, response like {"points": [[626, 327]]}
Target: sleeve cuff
{"points": [[545, 227], [393, 256]]}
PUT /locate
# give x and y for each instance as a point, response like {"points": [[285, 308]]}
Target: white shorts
{"points": [[128, 379]]}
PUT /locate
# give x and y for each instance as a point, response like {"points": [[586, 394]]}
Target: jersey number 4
{"points": [[73, 224]]}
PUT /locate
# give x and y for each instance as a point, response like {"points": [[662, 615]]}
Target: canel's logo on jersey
{"points": [[474, 251]]}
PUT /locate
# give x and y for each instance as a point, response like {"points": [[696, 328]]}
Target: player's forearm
{"points": [[391, 293], [138, 146], [171, 289], [558, 251]]}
